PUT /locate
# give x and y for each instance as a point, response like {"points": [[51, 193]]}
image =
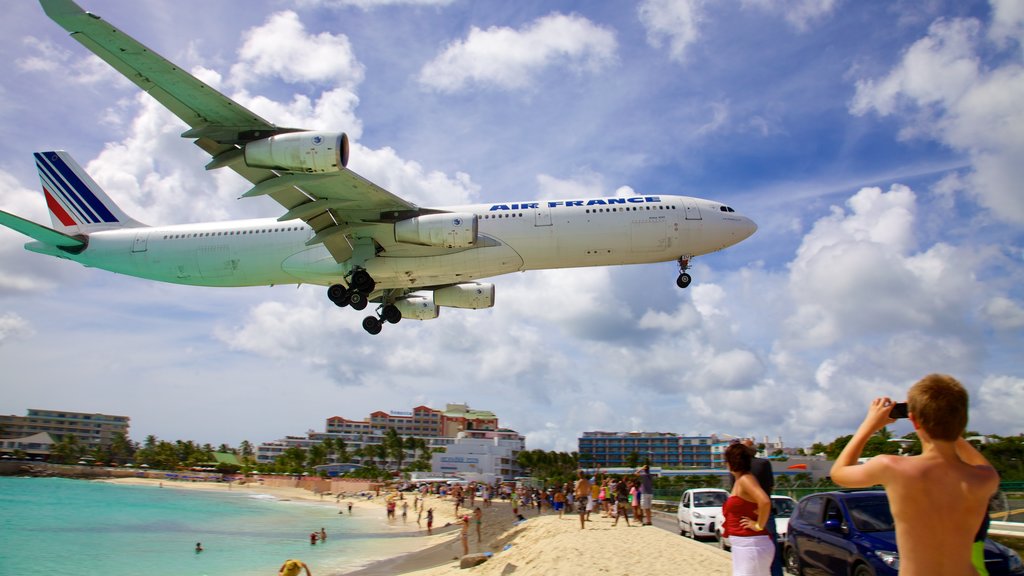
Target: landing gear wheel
{"points": [[391, 314], [684, 280], [357, 300], [362, 281], [336, 292], [372, 325]]}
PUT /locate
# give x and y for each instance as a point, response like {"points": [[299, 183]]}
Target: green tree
{"points": [[395, 447], [633, 459], [68, 450]]}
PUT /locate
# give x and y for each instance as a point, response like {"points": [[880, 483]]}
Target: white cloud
{"points": [[676, 22], [281, 48], [1004, 314], [801, 14], [941, 90], [1007, 22], [13, 326], [997, 403], [372, 4], [509, 59]]}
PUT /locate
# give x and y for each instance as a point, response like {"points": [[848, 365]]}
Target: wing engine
{"points": [[417, 307], [446, 230], [425, 306], [306, 152], [472, 295]]}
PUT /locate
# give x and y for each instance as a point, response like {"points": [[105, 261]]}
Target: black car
{"points": [[852, 533]]}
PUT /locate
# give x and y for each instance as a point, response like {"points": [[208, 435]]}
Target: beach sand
{"points": [[547, 544], [543, 544]]}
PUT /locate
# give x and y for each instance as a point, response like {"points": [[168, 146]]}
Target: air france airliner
{"points": [[338, 229]]}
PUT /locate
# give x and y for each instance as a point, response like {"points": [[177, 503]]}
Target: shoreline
{"points": [[542, 544]]}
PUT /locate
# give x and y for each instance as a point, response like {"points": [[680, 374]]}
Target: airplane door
{"points": [[141, 243], [542, 216], [692, 211]]}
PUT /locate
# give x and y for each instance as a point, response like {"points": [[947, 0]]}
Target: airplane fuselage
{"points": [[514, 237]]}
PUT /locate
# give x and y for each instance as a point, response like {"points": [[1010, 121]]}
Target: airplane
{"points": [[339, 229]]}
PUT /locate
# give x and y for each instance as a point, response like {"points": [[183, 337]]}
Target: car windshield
{"points": [[709, 499], [782, 508], [871, 514]]}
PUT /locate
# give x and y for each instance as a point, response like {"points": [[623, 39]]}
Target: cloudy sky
{"points": [[878, 145]]}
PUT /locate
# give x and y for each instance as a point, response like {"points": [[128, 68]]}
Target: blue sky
{"points": [[877, 145]]}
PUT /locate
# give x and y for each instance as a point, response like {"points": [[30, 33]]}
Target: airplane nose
{"points": [[748, 227]]}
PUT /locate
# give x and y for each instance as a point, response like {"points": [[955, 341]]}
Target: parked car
{"points": [[853, 533], [782, 508], [698, 508]]}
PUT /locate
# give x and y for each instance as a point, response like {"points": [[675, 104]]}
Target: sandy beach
{"points": [[542, 544]]}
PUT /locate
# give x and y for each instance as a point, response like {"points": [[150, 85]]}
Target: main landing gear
{"points": [[684, 279], [357, 295]]}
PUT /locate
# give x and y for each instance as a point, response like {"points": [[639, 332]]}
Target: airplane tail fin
{"points": [[76, 202]]}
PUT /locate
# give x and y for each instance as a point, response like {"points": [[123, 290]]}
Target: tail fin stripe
{"points": [[81, 189], [57, 209], [61, 199], [50, 177]]}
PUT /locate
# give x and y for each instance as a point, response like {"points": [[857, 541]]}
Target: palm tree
{"points": [[68, 450], [394, 446]]}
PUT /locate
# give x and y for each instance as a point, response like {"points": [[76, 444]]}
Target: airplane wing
{"points": [[336, 204]]}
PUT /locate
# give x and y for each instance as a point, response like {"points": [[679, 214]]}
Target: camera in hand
{"points": [[899, 410]]}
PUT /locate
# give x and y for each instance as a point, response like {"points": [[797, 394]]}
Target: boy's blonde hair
{"points": [[938, 403]]}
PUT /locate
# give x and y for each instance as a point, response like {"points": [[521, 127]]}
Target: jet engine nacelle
{"points": [[448, 230], [417, 307], [473, 295], [309, 152]]}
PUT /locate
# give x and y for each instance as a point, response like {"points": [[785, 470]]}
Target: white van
{"points": [[698, 508]]}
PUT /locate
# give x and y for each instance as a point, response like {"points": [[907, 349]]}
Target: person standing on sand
{"points": [[646, 492], [430, 520], [621, 505], [939, 498], [464, 535], [559, 502], [752, 547], [762, 470], [350, 508], [405, 511], [293, 568], [478, 518], [582, 495]]}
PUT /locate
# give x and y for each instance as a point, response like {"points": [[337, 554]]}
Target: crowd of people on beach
{"points": [[937, 407]]}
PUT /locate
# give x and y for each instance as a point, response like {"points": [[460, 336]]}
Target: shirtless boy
{"points": [[582, 492], [938, 499]]}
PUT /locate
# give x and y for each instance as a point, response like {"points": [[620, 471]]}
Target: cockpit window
{"points": [[726, 209]]}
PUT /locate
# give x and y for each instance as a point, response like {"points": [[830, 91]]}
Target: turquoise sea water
{"points": [[57, 526]]}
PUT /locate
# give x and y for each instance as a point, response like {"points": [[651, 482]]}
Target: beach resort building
{"points": [[441, 429], [607, 449], [91, 430], [481, 456]]}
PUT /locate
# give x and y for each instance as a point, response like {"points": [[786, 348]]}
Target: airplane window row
{"points": [[726, 209], [629, 209], [489, 216], [231, 233]]}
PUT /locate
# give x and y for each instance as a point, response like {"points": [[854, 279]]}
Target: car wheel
{"points": [[791, 561], [863, 570]]}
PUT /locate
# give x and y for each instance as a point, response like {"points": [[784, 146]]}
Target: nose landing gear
{"points": [[684, 279]]}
